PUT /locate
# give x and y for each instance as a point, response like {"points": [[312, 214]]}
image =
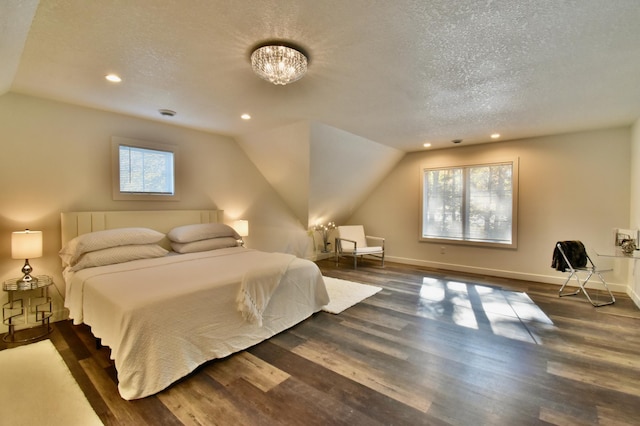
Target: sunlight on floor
{"points": [[505, 313]]}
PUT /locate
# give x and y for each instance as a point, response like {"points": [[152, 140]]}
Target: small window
{"points": [[143, 170], [474, 204]]}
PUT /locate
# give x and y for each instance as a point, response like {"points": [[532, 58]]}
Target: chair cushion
{"points": [[365, 250]]}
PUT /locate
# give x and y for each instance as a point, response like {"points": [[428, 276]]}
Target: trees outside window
{"points": [[473, 204], [143, 170]]}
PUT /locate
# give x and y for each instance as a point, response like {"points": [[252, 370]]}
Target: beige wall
{"points": [[573, 186], [56, 157], [634, 269], [282, 156], [323, 173], [345, 168]]}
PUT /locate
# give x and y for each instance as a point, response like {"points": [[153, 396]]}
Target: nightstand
{"points": [[28, 304]]}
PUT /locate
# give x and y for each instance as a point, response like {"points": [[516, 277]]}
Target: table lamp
{"points": [[26, 245], [242, 228]]}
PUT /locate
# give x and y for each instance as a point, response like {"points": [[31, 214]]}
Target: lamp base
{"points": [[27, 282]]}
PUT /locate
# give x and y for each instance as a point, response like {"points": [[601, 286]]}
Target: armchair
{"points": [[352, 241]]}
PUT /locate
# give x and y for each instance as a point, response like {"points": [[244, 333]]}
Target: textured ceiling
{"points": [[399, 72]]}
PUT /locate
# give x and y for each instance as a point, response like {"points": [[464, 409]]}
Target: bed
{"points": [[164, 315]]}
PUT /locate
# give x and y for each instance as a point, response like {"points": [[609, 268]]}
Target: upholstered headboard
{"points": [[78, 223]]}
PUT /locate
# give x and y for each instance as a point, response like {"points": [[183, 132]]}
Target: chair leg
{"points": [[573, 274], [612, 299], [582, 287]]}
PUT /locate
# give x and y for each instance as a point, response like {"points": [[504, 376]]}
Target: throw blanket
{"points": [[259, 284], [575, 252]]}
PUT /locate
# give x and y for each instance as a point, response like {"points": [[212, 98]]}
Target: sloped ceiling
{"points": [[344, 169], [282, 156], [15, 22], [322, 173]]}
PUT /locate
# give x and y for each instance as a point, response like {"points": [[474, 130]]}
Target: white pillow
{"points": [[118, 254], [201, 231], [104, 239], [204, 245]]}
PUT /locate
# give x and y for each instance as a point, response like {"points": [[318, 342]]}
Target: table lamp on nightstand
{"points": [[26, 245], [242, 228]]}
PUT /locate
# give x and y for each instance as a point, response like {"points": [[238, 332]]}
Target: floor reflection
{"points": [[491, 309]]}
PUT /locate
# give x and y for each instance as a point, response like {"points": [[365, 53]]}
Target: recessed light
{"points": [[427, 145], [114, 78], [495, 135], [245, 117], [456, 140]]}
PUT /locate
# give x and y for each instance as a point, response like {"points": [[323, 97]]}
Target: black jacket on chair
{"points": [[575, 252]]}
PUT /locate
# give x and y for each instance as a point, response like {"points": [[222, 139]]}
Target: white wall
{"points": [[56, 157], [345, 168], [573, 186], [321, 172], [634, 286], [282, 155]]}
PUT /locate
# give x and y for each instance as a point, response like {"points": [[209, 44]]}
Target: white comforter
{"points": [[164, 317]]}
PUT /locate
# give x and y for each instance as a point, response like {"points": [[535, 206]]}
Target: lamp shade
{"points": [[241, 227], [26, 244]]}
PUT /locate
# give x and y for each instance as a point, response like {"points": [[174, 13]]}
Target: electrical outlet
{"points": [[443, 250]]}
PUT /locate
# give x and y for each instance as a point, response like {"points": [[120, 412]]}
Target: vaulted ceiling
{"points": [[399, 73]]}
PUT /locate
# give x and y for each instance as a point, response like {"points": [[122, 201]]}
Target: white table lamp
{"points": [[26, 245], [242, 228]]}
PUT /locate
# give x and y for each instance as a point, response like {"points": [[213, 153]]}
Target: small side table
{"points": [[37, 310]]}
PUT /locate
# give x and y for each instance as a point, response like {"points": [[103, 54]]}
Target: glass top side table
{"points": [[37, 309], [618, 253]]}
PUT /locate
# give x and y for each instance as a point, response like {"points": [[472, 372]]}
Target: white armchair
{"points": [[352, 241]]}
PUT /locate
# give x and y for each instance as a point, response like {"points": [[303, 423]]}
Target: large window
{"points": [[143, 170], [474, 204]]}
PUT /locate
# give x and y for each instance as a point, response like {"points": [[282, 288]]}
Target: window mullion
{"points": [[465, 203]]}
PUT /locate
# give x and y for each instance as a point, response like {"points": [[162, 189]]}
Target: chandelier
{"points": [[279, 64]]}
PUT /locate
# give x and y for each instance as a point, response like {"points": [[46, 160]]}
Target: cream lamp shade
{"points": [[241, 227], [26, 245]]}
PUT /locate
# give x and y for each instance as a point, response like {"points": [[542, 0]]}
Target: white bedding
{"points": [[164, 317]]}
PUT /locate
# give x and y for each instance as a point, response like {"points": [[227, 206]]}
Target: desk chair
{"points": [[572, 257]]}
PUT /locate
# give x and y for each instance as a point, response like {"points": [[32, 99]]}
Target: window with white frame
{"points": [[143, 170], [473, 204]]}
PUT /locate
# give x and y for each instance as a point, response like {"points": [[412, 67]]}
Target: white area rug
{"points": [[37, 388], [344, 294]]}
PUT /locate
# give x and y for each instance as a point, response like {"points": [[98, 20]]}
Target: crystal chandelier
{"points": [[279, 64]]}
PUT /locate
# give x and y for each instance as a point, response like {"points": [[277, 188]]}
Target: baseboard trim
{"points": [[320, 256], [634, 296], [548, 279]]}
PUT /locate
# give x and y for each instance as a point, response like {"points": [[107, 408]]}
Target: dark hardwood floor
{"points": [[433, 347]]}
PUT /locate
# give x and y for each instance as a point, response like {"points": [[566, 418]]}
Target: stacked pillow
{"points": [[120, 245], [111, 246], [202, 237]]}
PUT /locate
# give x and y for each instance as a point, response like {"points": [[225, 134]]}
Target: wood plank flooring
{"points": [[433, 347]]}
